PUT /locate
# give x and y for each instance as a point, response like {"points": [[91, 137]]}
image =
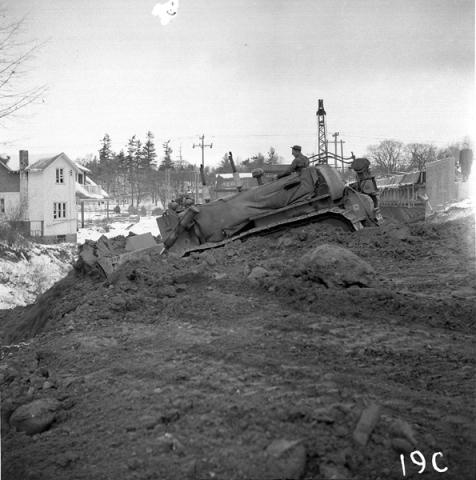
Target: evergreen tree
{"points": [[121, 178], [167, 161], [138, 165], [150, 174], [130, 160], [107, 166], [105, 152], [149, 153], [224, 165]]}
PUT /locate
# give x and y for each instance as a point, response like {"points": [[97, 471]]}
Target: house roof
{"points": [[44, 163], [3, 163], [82, 191], [82, 168]]}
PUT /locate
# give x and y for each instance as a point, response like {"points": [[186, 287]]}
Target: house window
{"points": [[59, 210], [2, 205], [80, 178], [59, 175]]}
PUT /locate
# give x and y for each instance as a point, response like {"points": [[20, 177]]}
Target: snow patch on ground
{"points": [[116, 228], [453, 211], [29, 269], [33, 270]]}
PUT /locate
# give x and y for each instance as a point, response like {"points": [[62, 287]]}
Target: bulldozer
{"points": [[315, 194]]}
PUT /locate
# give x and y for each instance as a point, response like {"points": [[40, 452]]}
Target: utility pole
{"points": [[202, 145], [167, 152], [335, 135], [322, 135], [180, 159], [195, 172], [342, 154]]}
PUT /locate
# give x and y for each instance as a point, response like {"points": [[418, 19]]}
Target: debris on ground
{"points": [[106, 254], [243, 361]]}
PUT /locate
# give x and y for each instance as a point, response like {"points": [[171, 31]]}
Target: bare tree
{"points": [[420, 154], [15, 56], [388, 156]]}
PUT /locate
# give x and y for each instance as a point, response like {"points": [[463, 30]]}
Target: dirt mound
{"points": [[236, 362]]}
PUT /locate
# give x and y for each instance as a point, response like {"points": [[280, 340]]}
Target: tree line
{"points": [[392, 156], [135, 171]]}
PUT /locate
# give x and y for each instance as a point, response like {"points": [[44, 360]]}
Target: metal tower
{"points": [[322, 135]]}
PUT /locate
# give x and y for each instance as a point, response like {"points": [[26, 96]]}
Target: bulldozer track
{"points": [[314, 217]]}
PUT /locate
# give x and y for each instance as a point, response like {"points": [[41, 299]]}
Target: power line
{"points": [[202, 145]]}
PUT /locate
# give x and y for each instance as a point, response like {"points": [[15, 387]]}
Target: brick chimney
{"points": [[23, 160], [24, 185]]}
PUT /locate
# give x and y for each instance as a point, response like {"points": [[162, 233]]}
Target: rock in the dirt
{"points": [[35, 417], [337, 267], [168, 291], [149, 421], [367, 422], [209, 259], [258, 273], [118, 303], [168, 442], [286, 241], [285, 459], [334, 472], [6, 410], [341, 431], [401, 445], [65, 459], [48, 384], [397, 231], [401, 428], [139, 242]]}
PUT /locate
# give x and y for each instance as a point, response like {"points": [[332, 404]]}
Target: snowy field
{"points": [[116, 228], [28, 271]]}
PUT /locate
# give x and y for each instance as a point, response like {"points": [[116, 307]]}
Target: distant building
{"points": [[9, 191], [90, 197], [42, 197], [225, 184]]}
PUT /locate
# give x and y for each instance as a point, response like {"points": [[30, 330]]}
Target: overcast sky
{"points": [[248, 74]]}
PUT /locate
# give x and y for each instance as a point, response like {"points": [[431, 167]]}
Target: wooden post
{"points": [[342, 155], [107, 210], [82, 213], [335, 135]]}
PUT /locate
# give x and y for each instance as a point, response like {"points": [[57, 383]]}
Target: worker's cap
{"points": [[296, 147]]}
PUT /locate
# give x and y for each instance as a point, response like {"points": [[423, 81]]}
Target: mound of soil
{"points": [[237, 363]]}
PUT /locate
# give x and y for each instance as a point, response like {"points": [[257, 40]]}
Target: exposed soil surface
{"points": [[209, 368]]}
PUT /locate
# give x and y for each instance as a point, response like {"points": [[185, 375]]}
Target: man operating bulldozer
{"points": [[300, 161]]}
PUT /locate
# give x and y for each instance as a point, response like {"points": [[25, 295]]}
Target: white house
{"points": [[51, 198], [42, 197]]}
